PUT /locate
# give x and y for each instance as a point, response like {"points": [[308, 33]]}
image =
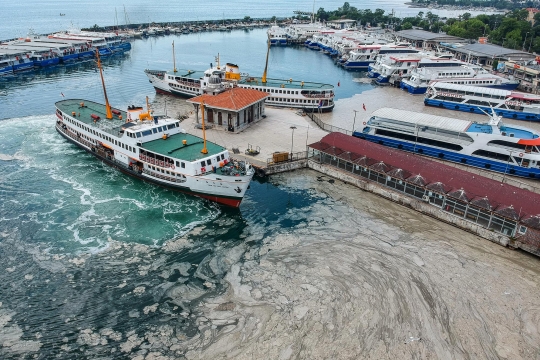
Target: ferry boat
{"points": [[365, 55], [508, 149], [290, 93], [453, 71], [398, 67], [18, 59], [474, 99], [154, 149], [277, 35]]}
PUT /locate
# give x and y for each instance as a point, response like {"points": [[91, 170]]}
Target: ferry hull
{"points": [[224, 200], [357, 65], [373, 74], [464, 159], [412, 89], [510, 114]]}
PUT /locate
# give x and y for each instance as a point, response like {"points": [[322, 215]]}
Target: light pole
{"points": [[524, 41], [530, 43], [292, 140], [354, 121]]}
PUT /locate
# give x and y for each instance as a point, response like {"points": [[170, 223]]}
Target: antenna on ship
{"points": [[107, 105], [217, 60], [173, 58], [263, 79], [204, 150]]}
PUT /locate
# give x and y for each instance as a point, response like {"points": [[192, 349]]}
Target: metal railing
{"points": [[485, 218], [325, 126], [290, 157]]}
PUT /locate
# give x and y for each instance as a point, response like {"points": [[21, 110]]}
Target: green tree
{"points": [[406, 26]]}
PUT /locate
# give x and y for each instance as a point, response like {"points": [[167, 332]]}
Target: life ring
{"points": [[520, 154], [203, 169], [364, 123]]}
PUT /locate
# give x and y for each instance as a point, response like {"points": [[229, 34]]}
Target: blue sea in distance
{"points": [[95, 264], [44, 16]]}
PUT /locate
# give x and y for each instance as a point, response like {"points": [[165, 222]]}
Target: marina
{"points": [[120, 265]]}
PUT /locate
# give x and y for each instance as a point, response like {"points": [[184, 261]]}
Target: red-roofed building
{"points": [[486, 202], [233, 109], [530, 15]]}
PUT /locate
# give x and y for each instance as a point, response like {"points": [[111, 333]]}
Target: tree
{"points": [[406, 26]]}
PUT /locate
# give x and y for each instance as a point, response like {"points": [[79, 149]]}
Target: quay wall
{"points": [[418, 205]]}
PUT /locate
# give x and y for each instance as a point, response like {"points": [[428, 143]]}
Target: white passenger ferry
{"points": [[290, 93], [508, 149], [474, 99], [454, 71], [154, 149]]}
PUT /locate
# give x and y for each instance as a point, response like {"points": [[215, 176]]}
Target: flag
{"points": [[364, 107], [62, 94]]}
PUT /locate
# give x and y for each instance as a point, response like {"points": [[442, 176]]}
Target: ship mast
{"points": [[173, 58], [204, 150], [263, 80], [107, 105]]}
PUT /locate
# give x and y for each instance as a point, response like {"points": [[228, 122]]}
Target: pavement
{"points": [[268, 135]]}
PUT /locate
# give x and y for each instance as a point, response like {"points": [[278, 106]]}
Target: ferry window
{"points": [[170, 126], [177, 163], [183, 165], [222, 156], [154, 130], [208, 162], [202, 163], [177, 124], [167, 172], [138, 134], [147, 132]]}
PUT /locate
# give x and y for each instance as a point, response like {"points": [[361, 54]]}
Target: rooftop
{"points": [[235, 99], [466, 185], [488, 50], [414, 34], [417, 118], [173, 147]]}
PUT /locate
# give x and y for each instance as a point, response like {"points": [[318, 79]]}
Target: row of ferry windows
{"points": [[153, 131], [165, 171], [209, 162], [278, 91], [99, 135], [301, 101]]}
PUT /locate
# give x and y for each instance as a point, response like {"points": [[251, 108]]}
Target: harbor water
{"points": [[99, 265]]}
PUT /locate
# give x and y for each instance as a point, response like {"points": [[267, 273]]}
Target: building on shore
{"points": [[497, 211], [232, 110]]}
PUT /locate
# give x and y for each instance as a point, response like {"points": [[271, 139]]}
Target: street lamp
{"points": [[292, 140], [354, 121], [524, 41]]}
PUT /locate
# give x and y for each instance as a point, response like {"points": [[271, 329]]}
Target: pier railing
{"points": [[280, 158], [325, 126]]}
